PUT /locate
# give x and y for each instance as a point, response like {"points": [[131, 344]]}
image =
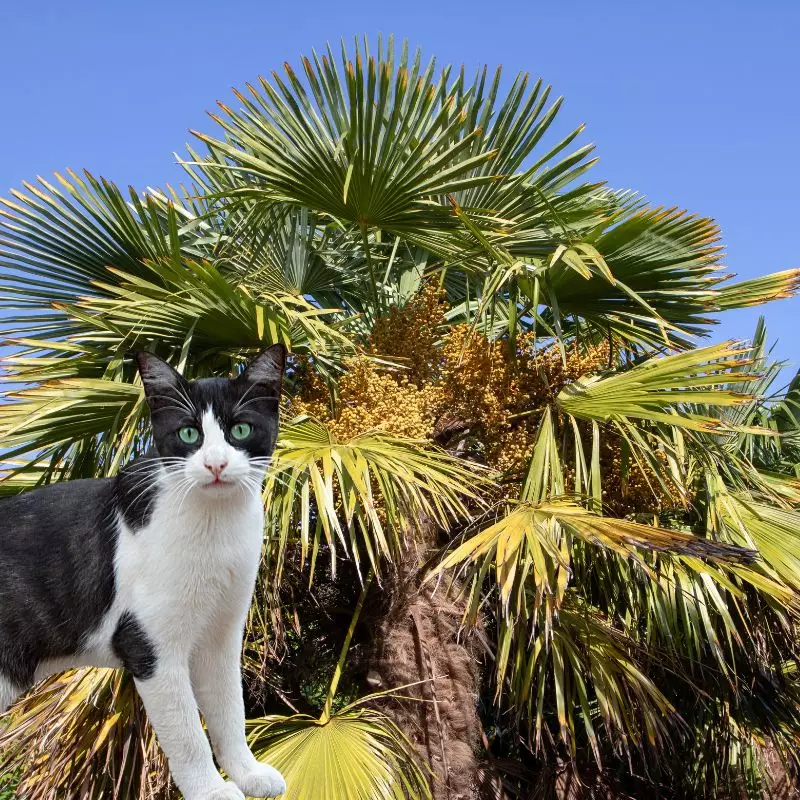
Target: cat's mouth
{"points": [[218, 483]]}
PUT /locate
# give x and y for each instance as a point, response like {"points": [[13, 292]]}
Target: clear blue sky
{"points": [[692, 103]]}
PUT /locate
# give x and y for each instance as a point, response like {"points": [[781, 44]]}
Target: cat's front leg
{"points": [[170, 704], [217, 680]]}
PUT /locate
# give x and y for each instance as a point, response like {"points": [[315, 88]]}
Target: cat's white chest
{"points": [[188, 572], [187, 577]]}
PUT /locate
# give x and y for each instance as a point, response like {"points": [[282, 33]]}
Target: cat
{"points": [[154, 571]]}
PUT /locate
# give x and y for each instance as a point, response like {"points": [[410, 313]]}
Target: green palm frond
{"points": [[772, 531], [358, 754], [756, 291], [365, 495], [672, 390], [741, 773], [525, 213], [788, 412], [59, 237], [644, 276], [368, 140], [532, 545], [299, 254], [657, 285], [179, 304], [63, 412], [513, 128], [193, 301], [593, 678]]}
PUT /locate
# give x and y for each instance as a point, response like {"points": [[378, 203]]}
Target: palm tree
{"points": [[524, 537]]}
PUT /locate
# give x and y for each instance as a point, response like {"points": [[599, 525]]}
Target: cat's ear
{"points": [[267, 368], [158, 377]]}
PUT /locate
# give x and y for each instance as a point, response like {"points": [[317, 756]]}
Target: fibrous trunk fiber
{"points": [[419, 640]]}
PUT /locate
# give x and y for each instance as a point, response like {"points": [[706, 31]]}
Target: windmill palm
{"points": [[570, 545]]}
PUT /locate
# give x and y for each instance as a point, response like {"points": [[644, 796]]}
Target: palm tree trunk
{"points": [[417, 641], [780, 783]]}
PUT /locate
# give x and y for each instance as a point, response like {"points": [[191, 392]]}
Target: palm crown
{"points": [[570, 536]]}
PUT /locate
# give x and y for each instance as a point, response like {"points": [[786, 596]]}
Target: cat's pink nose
{"points": [[217, 468]]}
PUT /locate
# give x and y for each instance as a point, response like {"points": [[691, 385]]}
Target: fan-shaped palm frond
{"points": [[666, 390], [58, 238], [533, 543], [62, 412], [369, 141], [755, 292], [357, 754], [365, 495], [299, 254]]}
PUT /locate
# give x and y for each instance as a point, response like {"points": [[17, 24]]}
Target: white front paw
{"points": [[262, 781], [227, 792]]}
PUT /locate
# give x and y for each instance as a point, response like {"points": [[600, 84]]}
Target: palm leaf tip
{"points": [[713, 551], [755, 292], [627, 537]]}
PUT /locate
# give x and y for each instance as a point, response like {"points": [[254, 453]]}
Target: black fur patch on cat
{"points": [[133, 648], [136, 491], [57, 547]]}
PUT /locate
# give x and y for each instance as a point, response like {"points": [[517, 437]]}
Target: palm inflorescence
{"points": [[525, 536]]}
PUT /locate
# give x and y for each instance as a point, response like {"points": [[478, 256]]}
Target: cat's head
{"points": [[215, 434]]}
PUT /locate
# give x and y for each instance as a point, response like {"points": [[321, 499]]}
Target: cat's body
{"points": [[154, 570]]}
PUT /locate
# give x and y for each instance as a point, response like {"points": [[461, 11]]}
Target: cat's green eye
{"points": [[241, 430], [188, 434]]}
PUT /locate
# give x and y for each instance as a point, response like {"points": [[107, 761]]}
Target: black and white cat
{"points": [[154, 571]]}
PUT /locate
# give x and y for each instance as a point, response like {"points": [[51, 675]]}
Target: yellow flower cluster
{"points": [[499, 392], [457, 379], [411, 334], [370, 397], [401, 401]]}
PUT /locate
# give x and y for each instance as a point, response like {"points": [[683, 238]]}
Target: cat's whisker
{"points": [[148, 485], [248, 485], [145, 464], [141, 479], [262, 468], [150, 505], [275, 478], [182, 393], [182, 410], [259, 473], [190, 484], [152, 470], [239, 406], [149, 475], [142, 494], [151, 465], [241, 403], [187, 406], [178, 466]]}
